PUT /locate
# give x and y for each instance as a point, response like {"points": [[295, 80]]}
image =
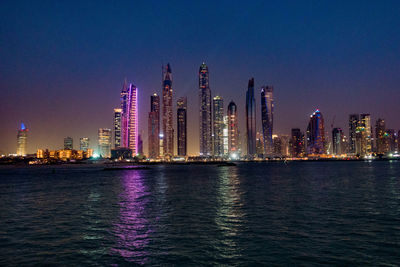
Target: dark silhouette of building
{"points": [[182, 126], [251, 119]]}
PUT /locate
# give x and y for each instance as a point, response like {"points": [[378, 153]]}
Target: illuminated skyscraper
{"points": [[218, 125], [117, 127], [226, 136], [154, 127], [84, 144], [267, 117], [233, 137], [104, 142], [316, 134], [22, 140], [337, 141], [297, 143], [167, 123], [182, 126], [380, 130], [363, 135], [251, 119], [124, 115], [68, 143], [353, 124], [129, 106], [205, 112]]}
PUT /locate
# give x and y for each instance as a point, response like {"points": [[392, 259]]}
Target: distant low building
{"points": [[68, 143], [121, 153]]}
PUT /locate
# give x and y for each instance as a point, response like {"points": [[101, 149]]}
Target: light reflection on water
{"points": [[229, 217], [132, 227]]}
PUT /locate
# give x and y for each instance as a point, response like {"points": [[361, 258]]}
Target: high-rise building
{"points": [[84, 144], [380, 130], [353, 124], [154, 127], [68, 143], [22, 136], [267, 116], [337, 141], [251, 119], [233, 133], [104, 142], [316, 134], [117, 127], [226, 136], [391, 136], [218, 126], [140, 145], [182, 126], [363, 135], [129, 106], [285, 145], [297, 143], [259, 144], [277, 144], [167, 123], [205, 112], [124, 115]]}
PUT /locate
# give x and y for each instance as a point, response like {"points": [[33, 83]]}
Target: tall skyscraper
{"points": [[363, 135], [22, 136], [380, 130], [337, 141], [129, 106], [297, 143], [154, 127], [218, 125], [124, 115], [226, 136], [316, 134], [104, 142], [251, 119], [84, 144], [68, 143], [267, 116], [167, 123], [117, 127], [205, 112], [353, 124], [233, 133], [182, 126]]}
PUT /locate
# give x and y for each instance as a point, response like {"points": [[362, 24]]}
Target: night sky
{"points": [[62, 63]]}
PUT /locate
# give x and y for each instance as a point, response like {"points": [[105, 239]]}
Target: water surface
{"points": [[305, 213]]}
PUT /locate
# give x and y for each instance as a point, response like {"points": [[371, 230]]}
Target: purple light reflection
{"points": [[133, 227]]}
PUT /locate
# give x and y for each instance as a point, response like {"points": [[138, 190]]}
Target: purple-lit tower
{"points": [[129, 127]]}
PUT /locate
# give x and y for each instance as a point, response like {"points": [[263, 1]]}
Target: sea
{"points": [[273, 213]]}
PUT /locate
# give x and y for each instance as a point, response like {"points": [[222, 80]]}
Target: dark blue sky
{"points": [[62, 63]]}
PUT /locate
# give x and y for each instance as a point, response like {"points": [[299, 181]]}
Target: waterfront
{"points": [[337, 213]]}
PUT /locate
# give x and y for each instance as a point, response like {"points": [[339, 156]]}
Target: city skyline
{"points": [[313, 62]]}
